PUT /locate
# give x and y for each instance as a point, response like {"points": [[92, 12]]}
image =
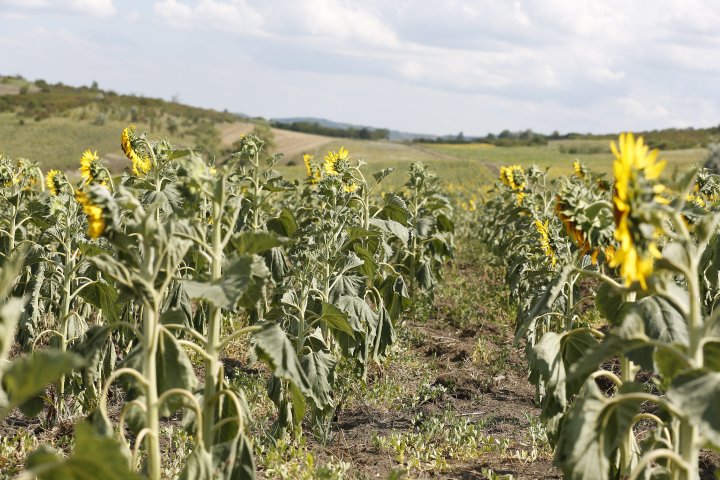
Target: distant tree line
{"points": [[667, 139], [361, 133], [506, 138]]}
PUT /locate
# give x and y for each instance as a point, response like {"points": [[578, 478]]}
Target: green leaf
{"points": [[173, 367], [445, 224], [661, 319], [274, 348], [284, 224], [592, 430], [608, 301], [395, 209], [711, 355], [10, 271], [392, 227], [249, 243], [369, 265], [94, 456], [244, 277], [91, 349], [674, 258], [104, 296], [198, 466], [9, 315], [379, 176], [395, 295], [384, 335], [320, 370], [358, 312], [543, 304], [335, 318], [697, 394], [27, 376], [234, 460]]}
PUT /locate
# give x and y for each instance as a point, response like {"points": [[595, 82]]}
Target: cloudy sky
{"points": [[431, 66]]}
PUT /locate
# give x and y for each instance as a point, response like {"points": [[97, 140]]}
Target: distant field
{"points": [[58, 142], [556, 155]]}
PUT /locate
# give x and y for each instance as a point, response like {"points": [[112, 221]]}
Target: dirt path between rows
{"points": [[467, 351]]}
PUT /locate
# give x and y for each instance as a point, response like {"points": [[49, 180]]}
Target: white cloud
{"points": [[235, 16], [543, 64], [97, 8]]}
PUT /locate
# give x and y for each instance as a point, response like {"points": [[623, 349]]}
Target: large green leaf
{"points": [[249, 243], [395, 295], [592, 430], [104, 296], [392, 227], [284, 224], [234, 460], [10, 313], [661, 319], [335, 318], [543, 304], [243, 279], [358, 312], [320, 370], [198, 466], [94, 456], [697, 394], [273, 347], [173, 370], [27, 376]]}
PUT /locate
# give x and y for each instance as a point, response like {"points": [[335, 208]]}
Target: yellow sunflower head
{"points": [[330, 160], [513, 176], [94, 214], [141, 164], [55, 181], [350, 187], [580, 169], [90, 168], [307, 159], [543, 229], [636, 171]]}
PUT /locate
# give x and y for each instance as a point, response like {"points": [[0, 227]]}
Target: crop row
{"points": [[118, 291]]}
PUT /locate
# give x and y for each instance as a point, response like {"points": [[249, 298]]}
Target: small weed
{"points": [[437, 438]]}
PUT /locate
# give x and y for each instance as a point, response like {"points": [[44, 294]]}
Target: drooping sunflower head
{"points": [[336, 162], [543, 228], [90, 168], [350, 187], [581, 170], [514, 177], [314, 174], [55, 181], [636, 171], [307, 159], [141, 163], [94, 214]]}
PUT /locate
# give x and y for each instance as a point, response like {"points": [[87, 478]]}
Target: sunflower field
{"points": [[616, 283], [122, 297], [119, 296]]}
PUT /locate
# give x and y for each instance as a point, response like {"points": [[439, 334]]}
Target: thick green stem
{"points": [[152, 413], [301, 321], [212, 362], [687, 440], [11, 231], [627, 375], [65, 316]]}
